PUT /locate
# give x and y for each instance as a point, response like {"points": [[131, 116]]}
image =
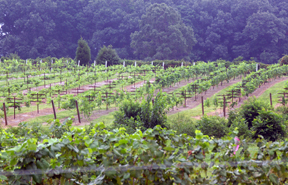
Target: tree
{"points": [[265, 40], [162, 35], [107, 54], [83, 52]]}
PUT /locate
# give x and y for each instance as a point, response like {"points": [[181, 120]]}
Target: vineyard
{"points": [[62, 95], [28, 87]]}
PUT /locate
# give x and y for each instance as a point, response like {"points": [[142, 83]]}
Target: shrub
{"points": [[282, 109], [143, 115], [29, 130], [128, 116], [213, 126], [284, 60], [249, 110], [232, 115], [183, 125], [83, 52], [242, 127], [269, 125], [108, 54]]}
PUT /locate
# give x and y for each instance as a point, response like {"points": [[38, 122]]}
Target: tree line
{"points": [[192, 30]]}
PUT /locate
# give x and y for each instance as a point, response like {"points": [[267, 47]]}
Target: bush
{"points": [[213, 126], [269, 125], [83, 52], [128, 116], [143, 115], [249, 110], [284, 60], [242, 127], [282, 109], [108, 54], [232, 115], [29, 130], [183, 125]]}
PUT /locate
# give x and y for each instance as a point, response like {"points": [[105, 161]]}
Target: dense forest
{"points": [[147, 29]]}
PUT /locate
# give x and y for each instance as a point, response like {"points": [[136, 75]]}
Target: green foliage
{"points": [[83, 52], [236, 121], [162, 35], [282, 110], [45, 32], [128, 116], [284, 60], [142, 115], [269, 125], [34, 130], [250, 109], [213, 126], [108, 54], [182, 125], [156, 156]]}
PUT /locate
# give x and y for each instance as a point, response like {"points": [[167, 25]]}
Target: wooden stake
{"points": [[37, 105], [14, 107], [224, 106], [202, 105], [271, 100], [78, 111], [4, 108], [53, 109]]}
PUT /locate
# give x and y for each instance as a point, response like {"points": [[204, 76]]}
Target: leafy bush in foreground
{"points": [[156, 156]]}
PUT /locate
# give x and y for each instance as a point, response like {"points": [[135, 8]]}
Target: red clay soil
{"points": [[258, 92]]}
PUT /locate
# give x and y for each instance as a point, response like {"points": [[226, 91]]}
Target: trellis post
{"points": [[53, 109], [5, 116], [78, 111]]}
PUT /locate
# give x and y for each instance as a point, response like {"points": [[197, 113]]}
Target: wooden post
{"points": [[106, 100], [78, 111], [37, 105], [224, 105], [14, 107], [185, 103], [5, 116], [271, 100], [202, 105], [53, 109]]}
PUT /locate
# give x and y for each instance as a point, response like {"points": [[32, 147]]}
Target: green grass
{"points": [[277, 88], [61, 115], [197, 111], [106, 119]]}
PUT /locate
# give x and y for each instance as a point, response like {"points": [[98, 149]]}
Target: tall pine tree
{"points": [[83, 52]]}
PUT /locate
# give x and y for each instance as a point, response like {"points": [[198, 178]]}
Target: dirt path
{"points": [[258, 92], [191, 103]]}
